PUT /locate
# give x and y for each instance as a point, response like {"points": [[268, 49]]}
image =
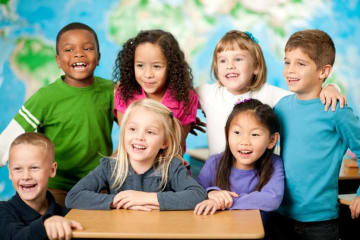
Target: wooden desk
{"points": [[349, 170], [235, 224]]}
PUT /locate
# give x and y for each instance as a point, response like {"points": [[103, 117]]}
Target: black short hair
{"points": [[74, 26]]}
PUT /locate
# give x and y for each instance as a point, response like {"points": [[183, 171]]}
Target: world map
{"points": [[28, 30]]}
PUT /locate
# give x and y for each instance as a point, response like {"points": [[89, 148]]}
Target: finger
{"points": [[322, 98], [327, 104], [213, 210], [333, 104], [234, 194], [67, 230], [76, 225], [342, 101]]}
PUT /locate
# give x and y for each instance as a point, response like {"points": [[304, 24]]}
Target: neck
{"points": [[141, 167], [40, 205]]}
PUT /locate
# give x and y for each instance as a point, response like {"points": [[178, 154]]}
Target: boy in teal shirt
{"points": [[313, 142], [75, 111]]}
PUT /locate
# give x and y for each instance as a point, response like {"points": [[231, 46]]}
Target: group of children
{"points": [[155, 106]]}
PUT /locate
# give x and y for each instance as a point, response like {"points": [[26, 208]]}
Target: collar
{"points": [[27, 212], [168, 100]]}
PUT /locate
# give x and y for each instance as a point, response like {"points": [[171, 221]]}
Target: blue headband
{"points": [[249, 34]]}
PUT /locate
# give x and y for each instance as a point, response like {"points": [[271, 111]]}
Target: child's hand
{"points": [[130, 198], [355, 207], [223, 198], [206, 207], [58, 227], [198, 125], [147, 208], [330, 95]]}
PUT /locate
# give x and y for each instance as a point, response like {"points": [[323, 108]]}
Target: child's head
{"points": [[77, 53], [31, 163], [252, 131], [150, 136], [309, 57], [238, 63], [153, 61]]}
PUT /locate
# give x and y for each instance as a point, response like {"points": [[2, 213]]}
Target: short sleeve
{"points": [[119, 104], [190, 115]]}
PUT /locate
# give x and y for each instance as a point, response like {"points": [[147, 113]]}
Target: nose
{"points": [[244, 140], [149, 72], [26, 175], [230, 65], [140, 135], [79, 53]]}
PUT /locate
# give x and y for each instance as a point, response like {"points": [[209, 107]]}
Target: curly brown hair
{"points": [[179, 77]]}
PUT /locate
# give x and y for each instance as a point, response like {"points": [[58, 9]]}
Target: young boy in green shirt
{"points": [[75, 111]]}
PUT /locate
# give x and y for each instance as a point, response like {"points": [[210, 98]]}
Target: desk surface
{"points": [[235, 224], [349, 170]]}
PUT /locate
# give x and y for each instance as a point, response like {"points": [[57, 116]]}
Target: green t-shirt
{"points": [[77, 120]]}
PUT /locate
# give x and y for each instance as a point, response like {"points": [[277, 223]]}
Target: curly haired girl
{"points": [[152, 65]]}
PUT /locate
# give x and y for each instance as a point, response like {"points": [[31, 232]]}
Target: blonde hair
{"points": [[237, 39], [35, 139], [172, 132]]}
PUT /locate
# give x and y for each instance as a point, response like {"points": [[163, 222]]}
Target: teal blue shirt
{"points": [[313, 143]]}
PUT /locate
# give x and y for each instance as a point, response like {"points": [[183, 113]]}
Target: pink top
{"points": [[169, 101]]}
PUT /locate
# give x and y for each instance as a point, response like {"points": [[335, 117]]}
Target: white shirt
{"points": [[217, 103]]}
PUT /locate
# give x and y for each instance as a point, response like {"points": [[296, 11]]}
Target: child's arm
{"points": [[58, 227], [86, 193], [355, 207], [7, 136], [129, 199], [269, 197], [329, 95], [185, 192]]}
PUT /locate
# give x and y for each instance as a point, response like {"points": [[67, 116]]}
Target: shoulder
{"points": [[104, 84], [204, 88], [107, 163], [276, 160]]}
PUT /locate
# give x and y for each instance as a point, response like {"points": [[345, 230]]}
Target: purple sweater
{"points": [[244, 182]]}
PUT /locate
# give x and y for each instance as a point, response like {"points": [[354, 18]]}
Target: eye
{"points": [[139, 65], [301, 64], [88, 49], [16, 169], [34, 167], [150, 132], [238, 59], [222, 60], [286, 62], [255, 134], [131, 129], [67, 50], [236, 132], [157, 66]]}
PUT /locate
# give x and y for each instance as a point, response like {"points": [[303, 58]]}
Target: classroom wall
{"points": [[28, 30]]}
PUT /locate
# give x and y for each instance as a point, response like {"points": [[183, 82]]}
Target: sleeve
{"points": [[207, 174], [13, 229], [86, 193], [119, 104], [7, 136], [190, 116], [185, 191], [32, 113], [269, 197], [348, 126], [275, 94]]}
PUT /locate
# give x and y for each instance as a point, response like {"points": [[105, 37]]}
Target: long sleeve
{"points": [[13, 229], [183, 192], [86, 193], [7, 136], [207, 174], [269, 197]]}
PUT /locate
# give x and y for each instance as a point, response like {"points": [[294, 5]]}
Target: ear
{"points": [[164, 145], [325, 71], [53, 168], [57, 58], [273, 139], [98, 60], [256, 71]]}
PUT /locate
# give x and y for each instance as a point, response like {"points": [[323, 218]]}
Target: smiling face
{"points": [[30, 167], [151, 69], [78, 57], [248, 140], [235, 70], [302, 75], [144, 137]]}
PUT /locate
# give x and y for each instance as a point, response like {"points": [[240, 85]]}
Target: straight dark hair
{"points": [[266, 116]]}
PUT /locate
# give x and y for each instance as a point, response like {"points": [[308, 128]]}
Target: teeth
{"points": [[80, 64], [245, 152], [140, 147], [231, 75]]}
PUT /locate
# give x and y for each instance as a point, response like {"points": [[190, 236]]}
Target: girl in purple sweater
{"points": [[247, 175]]}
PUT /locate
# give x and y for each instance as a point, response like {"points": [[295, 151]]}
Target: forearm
{"points": [[85, 199], [182, 200], [266, 201], [7, 136]]}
